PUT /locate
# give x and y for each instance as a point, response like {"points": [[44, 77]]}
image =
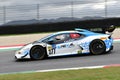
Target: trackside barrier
{"points": [[101, 24]]}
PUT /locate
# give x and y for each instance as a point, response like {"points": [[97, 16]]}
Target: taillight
{"points": [[109, 37]]}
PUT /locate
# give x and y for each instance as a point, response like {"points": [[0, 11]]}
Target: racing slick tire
{"points": [[37, 53], [97, 47]]}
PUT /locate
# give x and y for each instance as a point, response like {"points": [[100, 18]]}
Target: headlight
{"points": [[18, 52], [25, 49]]}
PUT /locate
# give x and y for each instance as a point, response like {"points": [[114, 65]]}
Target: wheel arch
{"points": [[97, 40], [40, 46]]}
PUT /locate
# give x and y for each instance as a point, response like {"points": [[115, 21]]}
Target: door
{"points": [[60, 44], [64, 44]]}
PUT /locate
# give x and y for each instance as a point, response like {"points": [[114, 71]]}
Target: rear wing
{"points": [[104, 30]]}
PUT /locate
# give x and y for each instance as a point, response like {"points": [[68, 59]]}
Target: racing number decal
{"points": [[51, 49]]}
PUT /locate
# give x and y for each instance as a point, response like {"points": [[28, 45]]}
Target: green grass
{"points": [[84, 74]]}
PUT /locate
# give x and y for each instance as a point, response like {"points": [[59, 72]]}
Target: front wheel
{"points": [[97, 46], [37, 52]]}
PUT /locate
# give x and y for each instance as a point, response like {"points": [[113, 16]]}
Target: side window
{"points": [[60, 38], [75, 35]]}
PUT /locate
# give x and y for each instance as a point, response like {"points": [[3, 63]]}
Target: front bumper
{"points": [[19, 55], [111, 48]]}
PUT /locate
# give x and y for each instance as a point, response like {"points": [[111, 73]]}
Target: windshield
{"points": [[44, 38]]}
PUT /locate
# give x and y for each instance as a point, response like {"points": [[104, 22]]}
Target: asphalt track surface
{"points": [[9, 65]]}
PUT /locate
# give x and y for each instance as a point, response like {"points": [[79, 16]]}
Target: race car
{"points": [[78, 41]]}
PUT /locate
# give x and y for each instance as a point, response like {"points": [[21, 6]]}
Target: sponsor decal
{"points": [[49, 48], [108, 43], [67, 45], [85, 45], [79, 51], [52, 48]]}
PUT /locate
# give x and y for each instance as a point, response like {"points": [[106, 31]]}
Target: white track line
{"points": [[77, 68]]}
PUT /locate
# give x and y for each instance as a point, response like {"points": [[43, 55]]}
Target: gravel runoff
{"points": [[27, 38]]}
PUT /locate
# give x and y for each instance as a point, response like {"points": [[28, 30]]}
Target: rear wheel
{"points": [[97, 46], [37, 52]]}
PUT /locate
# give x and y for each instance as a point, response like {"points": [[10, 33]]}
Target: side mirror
{"points": [[51, 41]]}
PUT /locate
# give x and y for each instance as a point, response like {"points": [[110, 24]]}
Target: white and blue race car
{"points": [[79, 41]]}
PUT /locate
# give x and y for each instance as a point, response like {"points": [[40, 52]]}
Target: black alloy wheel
{"points": [[37, 52], [97, 46]]}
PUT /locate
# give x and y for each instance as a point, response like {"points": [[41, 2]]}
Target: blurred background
{"points": [[56, 11]]}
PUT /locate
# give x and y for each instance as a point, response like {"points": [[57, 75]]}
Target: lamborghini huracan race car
{"points": [[78, 41]]}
